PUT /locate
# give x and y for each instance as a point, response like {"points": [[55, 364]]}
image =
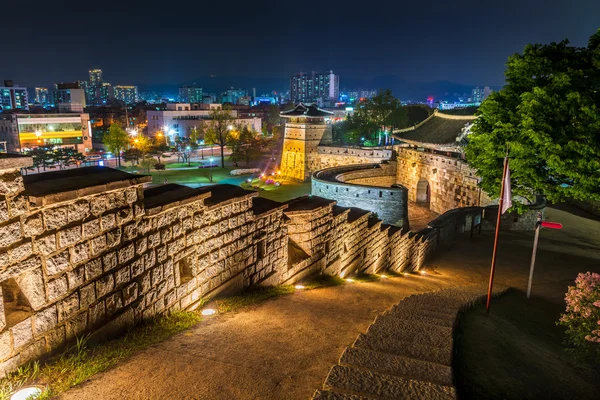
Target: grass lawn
{"points": [[287, 191], [189, 176], [516, 352]]}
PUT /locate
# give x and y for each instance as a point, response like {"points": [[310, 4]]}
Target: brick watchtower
{"points": [[305, 129]]}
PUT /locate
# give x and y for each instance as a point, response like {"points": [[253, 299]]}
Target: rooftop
{"points": [[438, 129], [261, 205], [307, 203], [310, 110], [73, 180]]}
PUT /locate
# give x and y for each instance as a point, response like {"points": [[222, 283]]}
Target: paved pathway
{"points": [[284, 348]]}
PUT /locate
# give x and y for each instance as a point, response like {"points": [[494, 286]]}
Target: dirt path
{"points": [[283, 348]]}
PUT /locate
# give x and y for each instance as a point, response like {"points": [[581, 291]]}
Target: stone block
{"points": [[113, 238], [68, 307], [46, 245], [87, 295], [109, 221], [110, 261], [33, 351], [33, 225], [91, 228], [93, 269], [45, 320], [69, 236], [97, 314], [57, 288], [113, 303], [98, 244], [56, 338], [58, 263], [22, 333], [105, 285], [122, 276], [21, 251], [17, 206], [10, 233], [76, 277], [31, 283], [98, 204], [56, 217], [80, 253], [141, 245], [76, 326], [78, 210], [124, 215], [137, 267], [126, 253], [130, 293], [5, 345], [12, 363], [3, 211]]}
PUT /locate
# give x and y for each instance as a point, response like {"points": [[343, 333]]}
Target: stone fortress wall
{"points": [[90, 251], [366, 186], [450, 182]]}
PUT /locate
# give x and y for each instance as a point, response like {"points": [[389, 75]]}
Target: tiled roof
{"points": [[307, 110], [438, 130]]}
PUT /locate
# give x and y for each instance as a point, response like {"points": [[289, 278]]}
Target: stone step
{"points": [[370, 383], [333, 395], [422, 316], [412, 348], [399, 325], [436, 336], [398, 366], [448, 311]]}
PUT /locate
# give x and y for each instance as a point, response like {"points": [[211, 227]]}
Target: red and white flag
{"points": [[507, 197]]}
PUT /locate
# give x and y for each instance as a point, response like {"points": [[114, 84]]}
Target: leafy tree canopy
{"points": [[548, 117], [116, 140]]}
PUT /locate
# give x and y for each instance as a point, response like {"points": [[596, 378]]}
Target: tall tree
{"points": [[247, 145], [548, 116], [116, 140], [219, 129]]}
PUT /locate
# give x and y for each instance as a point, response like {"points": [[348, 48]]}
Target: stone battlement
{"points": [[90, 251]]}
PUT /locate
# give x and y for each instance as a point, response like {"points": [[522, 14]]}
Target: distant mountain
{"points": [[405, 90]]}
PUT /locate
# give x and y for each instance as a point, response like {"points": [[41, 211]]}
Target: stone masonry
{"points": [[89, 250]]}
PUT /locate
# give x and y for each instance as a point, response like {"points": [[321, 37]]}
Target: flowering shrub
{"points": [[247, 171], [582, 316], [269, 181]]}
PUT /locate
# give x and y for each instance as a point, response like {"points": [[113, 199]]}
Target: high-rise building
{"points": [[190, 94], [320, 88], [126, 94], [69, 97], [480, 94], [233, 95], [13, 97], [42, 95], [95, 77]]}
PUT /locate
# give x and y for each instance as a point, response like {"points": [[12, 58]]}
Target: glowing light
{"points": [[383, 276], [278, 172], [208, 311], [423, 272], [405, 274], [38, 133], [349, 280], [27, 393], [248, 180], [299, 287], [230, 127]]}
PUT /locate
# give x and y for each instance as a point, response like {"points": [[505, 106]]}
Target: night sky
{"points": [[173, 42]]}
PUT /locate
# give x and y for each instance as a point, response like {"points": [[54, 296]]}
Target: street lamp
{"points": [[202, 149], [210, 169]]}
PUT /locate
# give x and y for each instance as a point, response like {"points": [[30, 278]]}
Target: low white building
{"points": [[182, 118]]}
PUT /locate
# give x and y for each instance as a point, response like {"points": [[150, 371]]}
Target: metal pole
{"points": [[538, 226], [494, 253]]}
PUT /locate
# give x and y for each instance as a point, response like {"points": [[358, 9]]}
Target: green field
{"points": [[189, 176], [287, 191]]}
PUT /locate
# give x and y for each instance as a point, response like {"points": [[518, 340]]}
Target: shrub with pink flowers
{"points": [[269, 182], [582, 316]]}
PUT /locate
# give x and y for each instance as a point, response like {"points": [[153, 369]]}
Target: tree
{"points": [[548, 118], [272, 117], [42, 157], [67, 156], [247, 145], [219, 130], [375, 117], [132, 155], [116, 140]]}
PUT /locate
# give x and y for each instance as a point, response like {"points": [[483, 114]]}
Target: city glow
{"points": [[27, 393], [208, 311]]}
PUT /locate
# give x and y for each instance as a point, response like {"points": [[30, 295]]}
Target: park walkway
{"points": [[284, 348]]}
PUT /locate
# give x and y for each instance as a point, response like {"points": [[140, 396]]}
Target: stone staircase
{"points": [[407, 352]]}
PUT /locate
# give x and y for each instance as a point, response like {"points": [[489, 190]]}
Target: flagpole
{"points": [[489, 296]]}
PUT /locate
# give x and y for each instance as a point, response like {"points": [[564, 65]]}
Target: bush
{"points": [[582, 315], [247, 171], [159, 166], [269, 182]]}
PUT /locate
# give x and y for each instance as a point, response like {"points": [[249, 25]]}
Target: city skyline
{"points": [[155, 45]]}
